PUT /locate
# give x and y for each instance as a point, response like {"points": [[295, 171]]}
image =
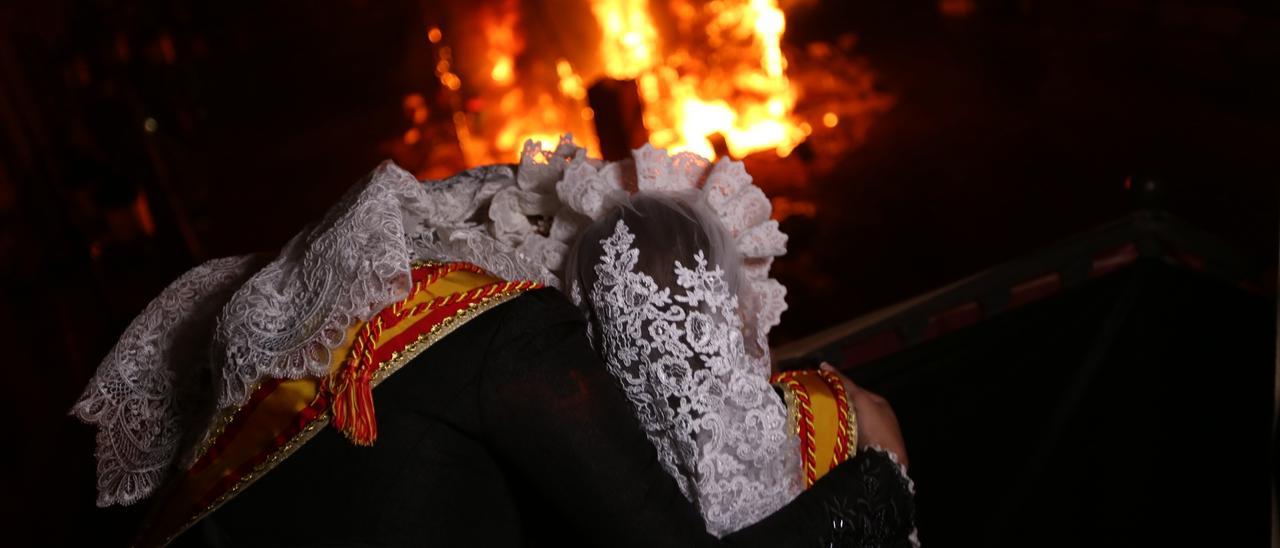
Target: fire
{"points": [[744, 96], [629, 40], [712, 76], [504, 100], [503, 44]]}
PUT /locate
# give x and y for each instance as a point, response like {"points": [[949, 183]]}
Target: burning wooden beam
{"points": [[619, 117]]}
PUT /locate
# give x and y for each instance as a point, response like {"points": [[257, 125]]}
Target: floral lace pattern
{"points": [[473, 246], [706, 405], [135, 397], [728, 190], [287, 319]]}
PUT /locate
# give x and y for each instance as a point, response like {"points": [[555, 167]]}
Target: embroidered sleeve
{"points": [[880, 512]]}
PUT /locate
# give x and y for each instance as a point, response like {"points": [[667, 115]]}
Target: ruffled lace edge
{"points": [[287, 320], [133, 397], [586, 188]]}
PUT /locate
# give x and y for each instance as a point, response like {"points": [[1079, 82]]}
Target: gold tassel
{"points": [[352, 392]]}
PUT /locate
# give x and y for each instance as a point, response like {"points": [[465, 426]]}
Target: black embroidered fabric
{"points": [[880, 514], [510, 432]]}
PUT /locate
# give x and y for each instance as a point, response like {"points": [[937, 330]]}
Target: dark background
{"points": [[1016, 124]]}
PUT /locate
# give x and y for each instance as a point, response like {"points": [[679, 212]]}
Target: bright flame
{"points": [[769, 27], [509, 102], [502, 70], [570, 83], [629, 40], [730, 81], [711, 76], [503, 44]]}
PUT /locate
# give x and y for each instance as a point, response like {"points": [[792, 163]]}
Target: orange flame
{"points": [[744, 95], [629, 43], [707, 72]]}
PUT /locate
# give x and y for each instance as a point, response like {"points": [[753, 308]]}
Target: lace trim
{"points": [[287, 320], [902, 468], [511, 222], [726, 188], [472, 245], [161, 362], [282, 322], [518, 221], [702, 400]]}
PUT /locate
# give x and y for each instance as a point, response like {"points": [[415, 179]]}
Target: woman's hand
{"points": [[877, 425]]}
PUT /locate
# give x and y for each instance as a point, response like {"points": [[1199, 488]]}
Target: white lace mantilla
{"points": [[134, 397], [287, 319], [703, 401], [487, 216]]}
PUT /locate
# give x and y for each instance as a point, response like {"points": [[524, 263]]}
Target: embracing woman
{"points": [[404, 373]]}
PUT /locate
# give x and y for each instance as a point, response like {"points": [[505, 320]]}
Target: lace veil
{"points": [[658, 278]]}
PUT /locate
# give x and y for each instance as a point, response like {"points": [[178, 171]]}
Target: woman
{"points": [[235, 341], [660, 280], [670, 262]]}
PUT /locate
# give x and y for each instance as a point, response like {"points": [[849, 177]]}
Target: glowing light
{"points": [[706, 72], [629, 40], [743, 95], [830, 119], [570, 83], [434, 35], [520, 99], [503, 42], [412, 136], [142, 212], [451, 81], [957, 8], [503, 71], [415, 106], [784, 207], [769, 25]]}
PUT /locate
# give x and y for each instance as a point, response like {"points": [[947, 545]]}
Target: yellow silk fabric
{"points": [[826, 422]]}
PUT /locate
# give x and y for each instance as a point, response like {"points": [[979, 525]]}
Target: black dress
{"points": [[511, 432]]}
